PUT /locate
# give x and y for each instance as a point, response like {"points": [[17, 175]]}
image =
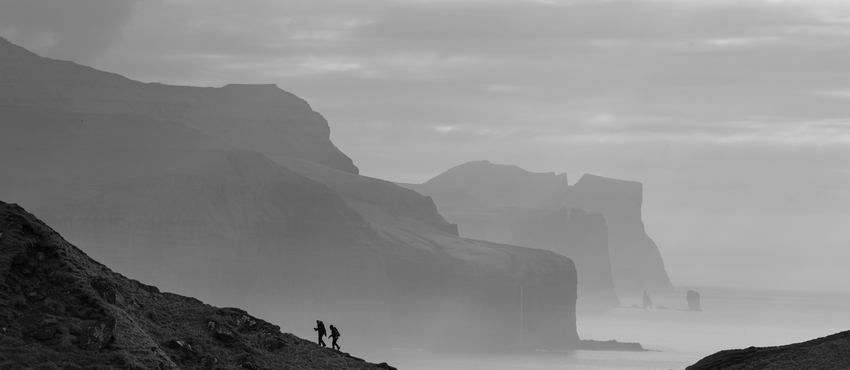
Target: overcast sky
{"points": [[734, 114]]}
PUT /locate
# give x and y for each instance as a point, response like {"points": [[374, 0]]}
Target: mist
{"points": [[447, 180]]}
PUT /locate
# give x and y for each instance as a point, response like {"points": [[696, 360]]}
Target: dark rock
{"points": [[224, 334], [19, 259], [830, 352], [383, 365], [247, 362], [693, 301], [245, 320], [104, 288], [208, 360], [272, 341], [97, 335], [44, 330]]}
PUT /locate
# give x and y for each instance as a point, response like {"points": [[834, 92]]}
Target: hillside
{"points": [[61, 309], [827, 353]]}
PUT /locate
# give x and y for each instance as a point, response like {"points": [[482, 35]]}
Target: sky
{"points": [[734, 114]]}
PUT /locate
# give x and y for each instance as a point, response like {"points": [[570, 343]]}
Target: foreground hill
{"points": [[61, 309], [508, 204], [236, 195], [827, 353]]}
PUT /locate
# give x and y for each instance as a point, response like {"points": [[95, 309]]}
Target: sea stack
{"points": [[693, 301]]}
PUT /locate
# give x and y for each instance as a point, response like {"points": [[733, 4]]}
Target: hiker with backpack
{"points": [[334, 336], [320, 328]]}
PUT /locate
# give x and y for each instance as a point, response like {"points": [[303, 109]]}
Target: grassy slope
{"points": [[831, 352], [58, 308]]}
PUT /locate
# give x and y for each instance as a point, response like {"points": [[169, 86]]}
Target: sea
{"points": [[674, 338]]}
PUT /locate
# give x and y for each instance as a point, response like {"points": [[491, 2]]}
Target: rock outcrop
{"points": [[55, 315], [693, 301], [831, 352], [635, 262], [179, 187]]}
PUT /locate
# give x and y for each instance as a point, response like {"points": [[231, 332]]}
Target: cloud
{"points": [[78, 30]]}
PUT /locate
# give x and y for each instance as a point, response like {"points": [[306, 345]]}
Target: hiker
{"points": [[320, 327], [334, 336]]}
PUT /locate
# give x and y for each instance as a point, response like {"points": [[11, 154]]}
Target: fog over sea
{"points": [[674, 338]]}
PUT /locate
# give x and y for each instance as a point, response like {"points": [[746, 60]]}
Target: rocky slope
{"points": [[827, 353], [61, 309], [508, 194], [195, 191]]}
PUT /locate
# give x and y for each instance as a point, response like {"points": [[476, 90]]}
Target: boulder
{"points": [[224, 334], [97, 335], [104, 288], [44, 330]]}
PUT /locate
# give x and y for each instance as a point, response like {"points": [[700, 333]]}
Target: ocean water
{"points": [[675, 338]]}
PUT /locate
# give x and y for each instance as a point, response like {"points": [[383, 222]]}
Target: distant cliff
{"points": [[197, 191], [635, 260], [831, 352], [60, 308], [258, 117], [507, 195]]}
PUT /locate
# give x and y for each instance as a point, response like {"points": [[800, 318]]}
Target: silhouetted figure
{"points": [[320, 328], [334, 336], [646, 301]]}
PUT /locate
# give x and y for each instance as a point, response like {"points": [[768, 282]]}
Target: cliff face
{"points": [[635, 260], [530, 209], [582, 236], [498, 185], [153, 180], [190, 213], [450, 292], [831, 352], [257, 117], [58, 306]]}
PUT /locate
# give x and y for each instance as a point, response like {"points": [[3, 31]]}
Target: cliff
{"points": [[513, 202], [582, 236], [137, 175], [636, 261], [258, 117], [61, 308], [831, 352], [498, 185]]}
